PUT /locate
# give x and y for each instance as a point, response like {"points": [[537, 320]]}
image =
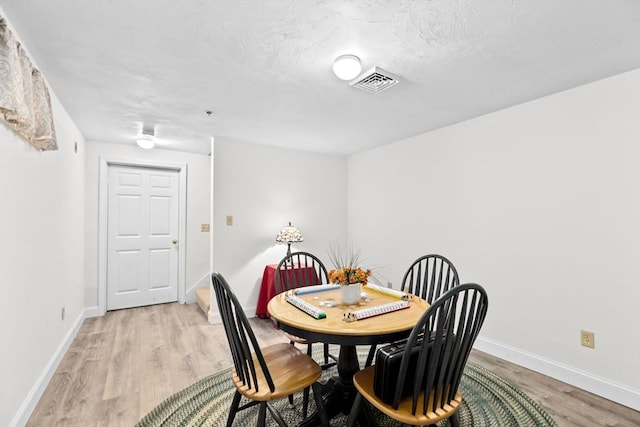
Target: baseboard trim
{"points": [[92, 312], [31, 401], [214, 318], [615, 392]]}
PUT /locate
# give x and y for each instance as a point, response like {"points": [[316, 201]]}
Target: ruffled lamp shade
{"points": [[289, 235]]}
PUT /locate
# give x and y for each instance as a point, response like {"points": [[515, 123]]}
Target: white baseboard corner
{"points": [[29, 404], [214, 318], [92, 312], [615, 392]]}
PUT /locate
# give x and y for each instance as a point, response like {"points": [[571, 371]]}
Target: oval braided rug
{"points": [[487, 401]]}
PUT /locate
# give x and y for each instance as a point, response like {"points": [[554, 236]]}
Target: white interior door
{"points": [[142, 236]]}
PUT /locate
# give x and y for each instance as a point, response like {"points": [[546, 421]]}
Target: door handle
{"points": [[174, 241]]}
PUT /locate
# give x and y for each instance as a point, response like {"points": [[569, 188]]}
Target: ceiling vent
{"points": [[375, 80]]}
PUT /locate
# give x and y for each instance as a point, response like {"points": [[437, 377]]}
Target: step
{"points": [[202, 297]]}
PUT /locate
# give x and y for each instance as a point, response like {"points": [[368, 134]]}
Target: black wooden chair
{"points": [[428, 277], [297, 270], [427, 385], [263, 374]]}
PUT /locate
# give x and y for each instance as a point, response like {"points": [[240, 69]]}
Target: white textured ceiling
{"points": [[264, 67]]}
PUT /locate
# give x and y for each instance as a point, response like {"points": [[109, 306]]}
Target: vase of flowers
{"points": [[348, 275]]}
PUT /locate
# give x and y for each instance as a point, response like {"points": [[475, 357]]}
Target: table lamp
{"points": [[289, 235]]}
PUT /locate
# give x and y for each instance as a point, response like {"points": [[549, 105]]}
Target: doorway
{"points": [[142, 219]]}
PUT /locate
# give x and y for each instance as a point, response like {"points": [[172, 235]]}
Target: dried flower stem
{"points": [[347, 270]]}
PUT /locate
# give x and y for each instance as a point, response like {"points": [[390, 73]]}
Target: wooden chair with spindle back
{"points": [[435, 354], [296, 270], [263, 374], [428, 277]]}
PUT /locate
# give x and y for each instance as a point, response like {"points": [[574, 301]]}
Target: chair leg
{"points": [[234, 408], [370, 356], [275, 414], [355, 411], [454, 421], [262, 414], [305, 402], [317, 395], [328, 363], [309, 353]]}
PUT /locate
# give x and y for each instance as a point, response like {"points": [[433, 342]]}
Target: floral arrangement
{"points": [[346, 270], [348, 276]]}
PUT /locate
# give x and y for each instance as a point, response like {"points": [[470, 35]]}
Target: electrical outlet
{"points": [[587, 339]]}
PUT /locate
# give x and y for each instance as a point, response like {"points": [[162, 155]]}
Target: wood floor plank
{"points": [[568, 405], [121, 365]]}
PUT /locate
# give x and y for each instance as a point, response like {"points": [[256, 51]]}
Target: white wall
{"points": [[41, 259], [263, 188], [198, 208], [540, 204]]}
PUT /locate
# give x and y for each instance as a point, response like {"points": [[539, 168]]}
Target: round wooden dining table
{"points": [[339, 392]]}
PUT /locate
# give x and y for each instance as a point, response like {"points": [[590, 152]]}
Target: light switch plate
{"points": [[229, 219]]}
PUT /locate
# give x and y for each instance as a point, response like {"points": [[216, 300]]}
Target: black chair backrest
{"points": [[242, 340], [429, 277], [299, 269], [451, 324]]}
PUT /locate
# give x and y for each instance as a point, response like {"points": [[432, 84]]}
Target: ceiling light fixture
{"points": [[347, 67], [146, 139]]}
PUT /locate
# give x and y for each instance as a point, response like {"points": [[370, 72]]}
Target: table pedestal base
{"points": [[340, 391]]}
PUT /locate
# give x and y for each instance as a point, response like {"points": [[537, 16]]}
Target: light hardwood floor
{"points": [[122, 365]]}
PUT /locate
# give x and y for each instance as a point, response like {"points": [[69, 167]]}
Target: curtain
{"points": [[44, 136], [25, 104]]}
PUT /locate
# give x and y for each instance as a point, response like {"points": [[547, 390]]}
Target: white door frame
{"points": [[105, 163]]}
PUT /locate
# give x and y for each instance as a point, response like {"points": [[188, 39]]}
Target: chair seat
{"points": [[363, 381], [291, 369]]}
